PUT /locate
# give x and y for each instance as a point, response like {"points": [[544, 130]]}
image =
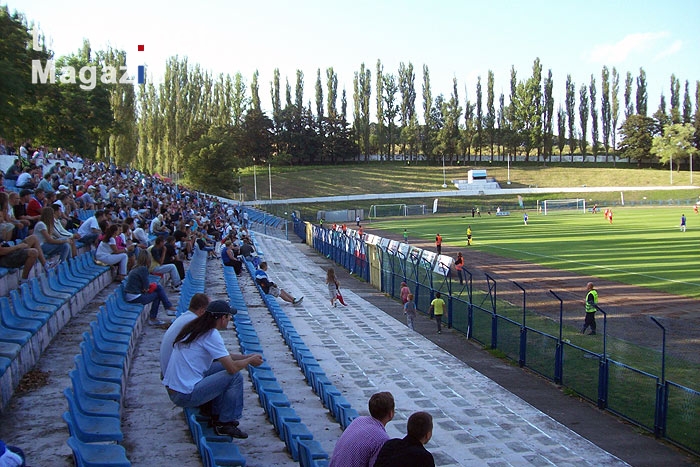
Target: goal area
{"points": [[562, 206], [394, 210]]}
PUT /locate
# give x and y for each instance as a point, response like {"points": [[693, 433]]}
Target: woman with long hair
{"points": [[108, 253], [192, 381], [333, 286], [138, 289], [50, 245]]}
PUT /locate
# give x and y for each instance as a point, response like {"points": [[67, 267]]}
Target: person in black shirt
{"points": [[409, 451]]}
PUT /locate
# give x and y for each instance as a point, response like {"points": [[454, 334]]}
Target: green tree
{"points": [[255, 91], [615, 109], [675, 99], [548, 116], [379, 131], [332, 93], [490, 119], [629, 104], [583, 115], [594, 116], [427, 134], [391, 109], [210, 165], [661, 118], [561, 128], [239, 101], [642, 93], [319, 98], [479, 118], [676, 144], [571, 112], [687, 106], [535, 89], [407, 112], [697, 114], [606, 119], [637, 137], [275, 96]]}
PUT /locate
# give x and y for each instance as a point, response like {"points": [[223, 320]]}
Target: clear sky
{"points": [[462, 39]]}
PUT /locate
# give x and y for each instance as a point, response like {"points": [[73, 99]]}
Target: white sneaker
{"points": [[171, 312]]}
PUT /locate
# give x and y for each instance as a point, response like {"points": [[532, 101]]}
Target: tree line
{"points": [[209, 126]]}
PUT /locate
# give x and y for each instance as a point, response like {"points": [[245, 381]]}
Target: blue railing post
{"points": [[523, 330], [603, 368], [470, 307], [494, 320], [661, 400], [559, 353]]}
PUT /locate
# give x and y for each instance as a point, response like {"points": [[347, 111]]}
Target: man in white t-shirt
{"points": [[198, 305], [90, 229]]}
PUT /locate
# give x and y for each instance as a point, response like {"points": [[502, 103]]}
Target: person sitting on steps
{"points": [[271, 288]]}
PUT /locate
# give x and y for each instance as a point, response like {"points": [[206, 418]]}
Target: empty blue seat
{"points": [[90, 405], [11, 321], [216, 454], [99, 372], [310, 451], [293, 432], [96, 388], [91, 429], [97, 455]]}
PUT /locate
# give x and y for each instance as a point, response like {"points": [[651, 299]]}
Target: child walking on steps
{"points": [[333, 286]]}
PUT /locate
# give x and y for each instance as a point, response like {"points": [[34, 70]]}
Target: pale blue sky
{"points": [[462, 39]]}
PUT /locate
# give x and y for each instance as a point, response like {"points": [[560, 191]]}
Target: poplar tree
{"points": [[479, 116], [535, 91], [319, 99], [571, 112], [605, 109], [332, 93], [490, 110], [629, 104], [239, 101], [380, 109], [615, 109], [661, 118], [275, 95], [561, 130], [594, 116], [687, 106], [426, 137], [583, 115], [407, 88], [675, 99], [642, 93], [548, 114], [390, 107], [255, 91]]}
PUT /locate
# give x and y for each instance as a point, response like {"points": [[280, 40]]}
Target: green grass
{"points": [[643, 246]]}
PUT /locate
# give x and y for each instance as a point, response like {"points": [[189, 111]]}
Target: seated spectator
{"points": [[60, 232], [7, 224], [35, 205], [14, 170], [247, 249], [45, 183], [157, 252], [204, 245], [108, 253], [50, 244], [409, 451], [271, 288], [171, 256], [229, 256], [158, 227], [364, 437], [18, 256], [21, 225], [196, 348], [139, 235], [90, 229], [26, 179], [138, 289]]}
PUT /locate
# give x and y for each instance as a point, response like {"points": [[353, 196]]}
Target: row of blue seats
{"points": [[277, 406], [214, 449], [36, 311], [264, 218], [331, 396], [102, 367]]}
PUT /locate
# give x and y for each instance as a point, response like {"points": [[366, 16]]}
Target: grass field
{"points": [[643, 246]]}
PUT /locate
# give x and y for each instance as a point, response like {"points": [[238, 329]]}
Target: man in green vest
{"points": [[591, 308]]}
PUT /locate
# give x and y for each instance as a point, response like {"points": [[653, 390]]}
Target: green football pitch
{"points": [[643, 246]]}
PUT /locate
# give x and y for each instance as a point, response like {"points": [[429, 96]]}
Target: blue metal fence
{"points": [[645, 399]]}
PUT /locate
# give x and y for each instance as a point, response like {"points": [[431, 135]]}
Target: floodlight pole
{"points": [[255, 181], [444, 179], [269, 177], [508, 168]]}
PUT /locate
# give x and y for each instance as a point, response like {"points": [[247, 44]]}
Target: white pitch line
{"points": [[597, 266]]}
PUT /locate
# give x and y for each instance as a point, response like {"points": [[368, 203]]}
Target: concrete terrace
{"points": [[363, 348]]}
